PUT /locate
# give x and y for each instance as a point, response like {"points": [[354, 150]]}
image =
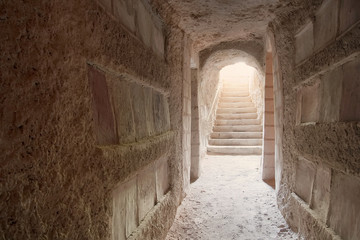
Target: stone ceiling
{"points": [[210, 22]]}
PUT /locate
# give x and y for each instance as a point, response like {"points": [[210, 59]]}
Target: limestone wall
{"points": [[186, 114], [195, 127], [138, 18], [256, 90], [209, 92], [91, 119], [317, 59]]}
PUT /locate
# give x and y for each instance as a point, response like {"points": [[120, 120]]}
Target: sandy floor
{"points": [[230, 201]]}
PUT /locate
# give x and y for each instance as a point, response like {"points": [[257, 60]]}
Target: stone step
{"points": [[235, 135], [236, 110], [234, 99], [235, 94], [238, 128], [235, 89], [235, 104], [236, 116], [238, 122], [235, 85], [235, 150], [235, 142], [229, 88]]}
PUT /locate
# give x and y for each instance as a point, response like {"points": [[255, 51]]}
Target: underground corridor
{"points": [[230, 199], [168, 119]]}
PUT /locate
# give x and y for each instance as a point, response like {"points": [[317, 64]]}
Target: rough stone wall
{"points": [[195, 127], [256, 90], [186, 114], [66, 162], [317, 62], [209, 92], [252, 51], [139, 19]]}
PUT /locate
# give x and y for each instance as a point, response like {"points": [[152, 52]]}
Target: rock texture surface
{"points": [[214, 21], [70, 132], [230, 201], [320, 141]]}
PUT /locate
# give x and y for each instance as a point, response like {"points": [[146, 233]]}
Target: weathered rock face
{"points": [[90, 120], [214, 21], [317, 59]]}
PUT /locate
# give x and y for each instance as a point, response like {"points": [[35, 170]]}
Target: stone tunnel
{"points": [[107, 109]]}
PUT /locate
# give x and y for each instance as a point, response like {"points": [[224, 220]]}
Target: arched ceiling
{"points": [[250, 51], [209, 22]]}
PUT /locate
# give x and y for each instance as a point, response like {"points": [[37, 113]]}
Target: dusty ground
{"points": [[230, 201]]}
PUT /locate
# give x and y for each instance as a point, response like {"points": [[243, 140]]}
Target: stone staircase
{"points": [[237, 130]]}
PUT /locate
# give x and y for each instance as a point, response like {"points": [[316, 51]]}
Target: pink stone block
{"points": [[269, 161], [268, 173], [269, 93], [269, 81], [104, 122], [269, 129], [269, 62], [269, 133], [269, 146], [269, 105], [269, 119]]}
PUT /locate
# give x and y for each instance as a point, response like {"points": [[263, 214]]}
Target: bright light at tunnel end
{"points": [[237, 72]]}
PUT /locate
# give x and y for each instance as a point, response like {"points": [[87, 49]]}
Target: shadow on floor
{"points": [[270, 182]]}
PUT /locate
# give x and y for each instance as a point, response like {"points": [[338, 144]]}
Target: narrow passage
{"points": [[230, 201]]}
